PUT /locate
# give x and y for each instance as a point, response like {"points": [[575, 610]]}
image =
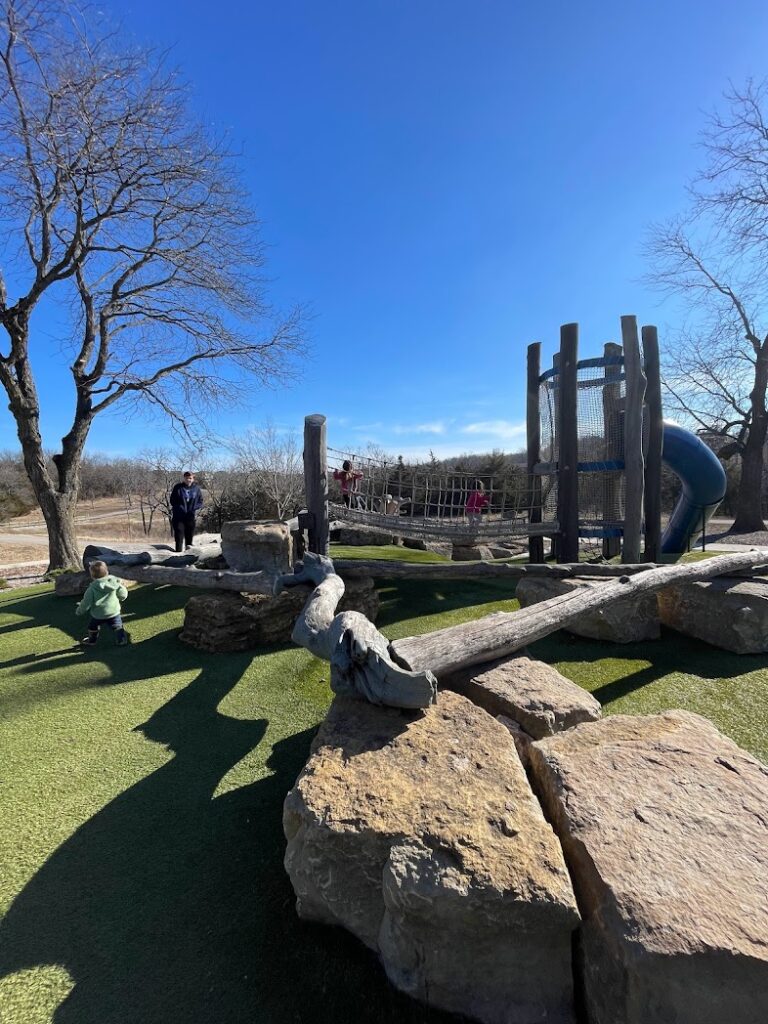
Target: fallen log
{"points": [[354, 568], [189, 576], [498, 635], [361, 666]]}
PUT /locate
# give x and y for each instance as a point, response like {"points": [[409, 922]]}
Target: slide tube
{"points": [[703, 486]]}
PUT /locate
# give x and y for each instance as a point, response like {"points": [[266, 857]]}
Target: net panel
{"points": [[601, 391]]}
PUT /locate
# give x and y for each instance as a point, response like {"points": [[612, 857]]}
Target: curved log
{"points": [[361, 665]]}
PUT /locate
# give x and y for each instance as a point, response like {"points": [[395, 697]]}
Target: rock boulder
{"points": [[728, 613], [531, 693], [226, 621], [418, 832], [249, 546], [664, 824], [622, 622]]}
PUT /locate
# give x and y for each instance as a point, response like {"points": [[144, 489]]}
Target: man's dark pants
{"points": [[183, 531]]}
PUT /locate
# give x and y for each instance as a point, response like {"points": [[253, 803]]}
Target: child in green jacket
{"points": [[102, 600]]}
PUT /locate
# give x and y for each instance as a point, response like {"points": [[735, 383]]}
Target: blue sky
{"points": [[443, 182]]}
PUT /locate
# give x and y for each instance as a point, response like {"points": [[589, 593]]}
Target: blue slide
{"points": [[703, 480]]}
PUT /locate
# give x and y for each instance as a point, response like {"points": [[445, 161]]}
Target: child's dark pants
{"points": [[115, 623]]}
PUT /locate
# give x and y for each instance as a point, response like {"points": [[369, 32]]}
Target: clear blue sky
{"points": [[444, 181]]}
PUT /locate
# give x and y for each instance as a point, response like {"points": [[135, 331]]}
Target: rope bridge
{"points": [[421, 503]]}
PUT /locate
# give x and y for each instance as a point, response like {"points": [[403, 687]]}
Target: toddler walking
{"points": [[102, 601]]}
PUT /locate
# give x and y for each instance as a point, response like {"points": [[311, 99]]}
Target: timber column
{"points": [[316, 482]]}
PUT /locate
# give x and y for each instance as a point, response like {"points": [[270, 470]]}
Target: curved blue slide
{"points": [[703, 480]]}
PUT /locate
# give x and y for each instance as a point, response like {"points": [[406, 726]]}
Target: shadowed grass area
{"points": [[141, 843]]}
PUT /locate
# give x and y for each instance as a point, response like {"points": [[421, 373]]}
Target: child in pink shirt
{"points": [[348, 478], [476, 502]]}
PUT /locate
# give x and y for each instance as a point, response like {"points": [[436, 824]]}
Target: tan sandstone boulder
{"points": [[250, 546], [532, 693], [728, 613], [622, 622], [664, 824], [419, 833]]}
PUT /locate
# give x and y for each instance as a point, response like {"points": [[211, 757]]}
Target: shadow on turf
{"points": [[171, 904]]}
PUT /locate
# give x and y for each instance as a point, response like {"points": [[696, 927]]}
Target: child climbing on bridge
{"points": [[102, 599], [476, 502], [348, 478]]}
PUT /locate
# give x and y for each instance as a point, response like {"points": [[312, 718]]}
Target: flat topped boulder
{"points": [[419, 833], [250, 546], [664, 824], [531, 693], [728, 613], [622, 622]]}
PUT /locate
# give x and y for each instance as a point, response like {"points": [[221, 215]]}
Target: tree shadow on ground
{"points": [[172, 904], [672, 652], [407, 599]]}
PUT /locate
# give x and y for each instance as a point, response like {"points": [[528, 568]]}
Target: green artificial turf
{"points": [[141, 792], [384, 553]]}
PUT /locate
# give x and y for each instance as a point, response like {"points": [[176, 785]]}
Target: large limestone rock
{"points": [[418, 832], [363, 538], [226, 621], [249, 546], [444, 548], [72, 584], [531, 693], [729, 613], [471, 553], [622, 622], [664, 823]]}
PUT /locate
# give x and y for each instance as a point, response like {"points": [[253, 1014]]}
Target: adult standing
{"points": [[186, 502]]}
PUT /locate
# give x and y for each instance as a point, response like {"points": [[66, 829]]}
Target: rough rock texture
{"points": [[623, 622], [728, 613], [249, 546], [227, 621], [436, 546], [71, 584], [362, 538], [531, 693], [419, 833], [474, 553], [664, 823], [522, 739]]}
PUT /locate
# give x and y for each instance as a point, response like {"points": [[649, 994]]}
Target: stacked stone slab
{"points": [[622, 622], [419, 833], [664, 824], [225, 621], [728, 613]]}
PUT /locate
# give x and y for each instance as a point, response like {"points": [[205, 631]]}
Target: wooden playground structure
{"points": [[593, 472]]}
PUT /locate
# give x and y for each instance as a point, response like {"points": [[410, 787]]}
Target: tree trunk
{"points": [[59, 513], [749, 512]]}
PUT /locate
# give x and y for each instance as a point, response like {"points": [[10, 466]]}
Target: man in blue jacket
{"points": [[186, 501]]}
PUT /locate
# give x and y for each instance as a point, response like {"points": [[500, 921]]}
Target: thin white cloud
{"points": [[503, 430], [433, 427]]}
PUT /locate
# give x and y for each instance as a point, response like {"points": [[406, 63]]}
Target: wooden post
{"points": [[316, 482], [533, 431], [634, 468], [655, 439], [613, 446], [568, 446]]}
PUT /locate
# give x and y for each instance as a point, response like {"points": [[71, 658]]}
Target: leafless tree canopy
{"points": [[269, 462], [114, 195], [716, 258]]}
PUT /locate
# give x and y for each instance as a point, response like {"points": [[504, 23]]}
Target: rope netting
{"points": [[426, 501], [599, 410]]}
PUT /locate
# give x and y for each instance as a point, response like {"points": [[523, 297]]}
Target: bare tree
{"points": [[123, 203], [716, 258], [270, 463]]}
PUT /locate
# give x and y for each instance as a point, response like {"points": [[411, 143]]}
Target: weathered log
{"points": [[391, 570], [359, 655], [503, 633], [150, 554], [189, 576]]}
